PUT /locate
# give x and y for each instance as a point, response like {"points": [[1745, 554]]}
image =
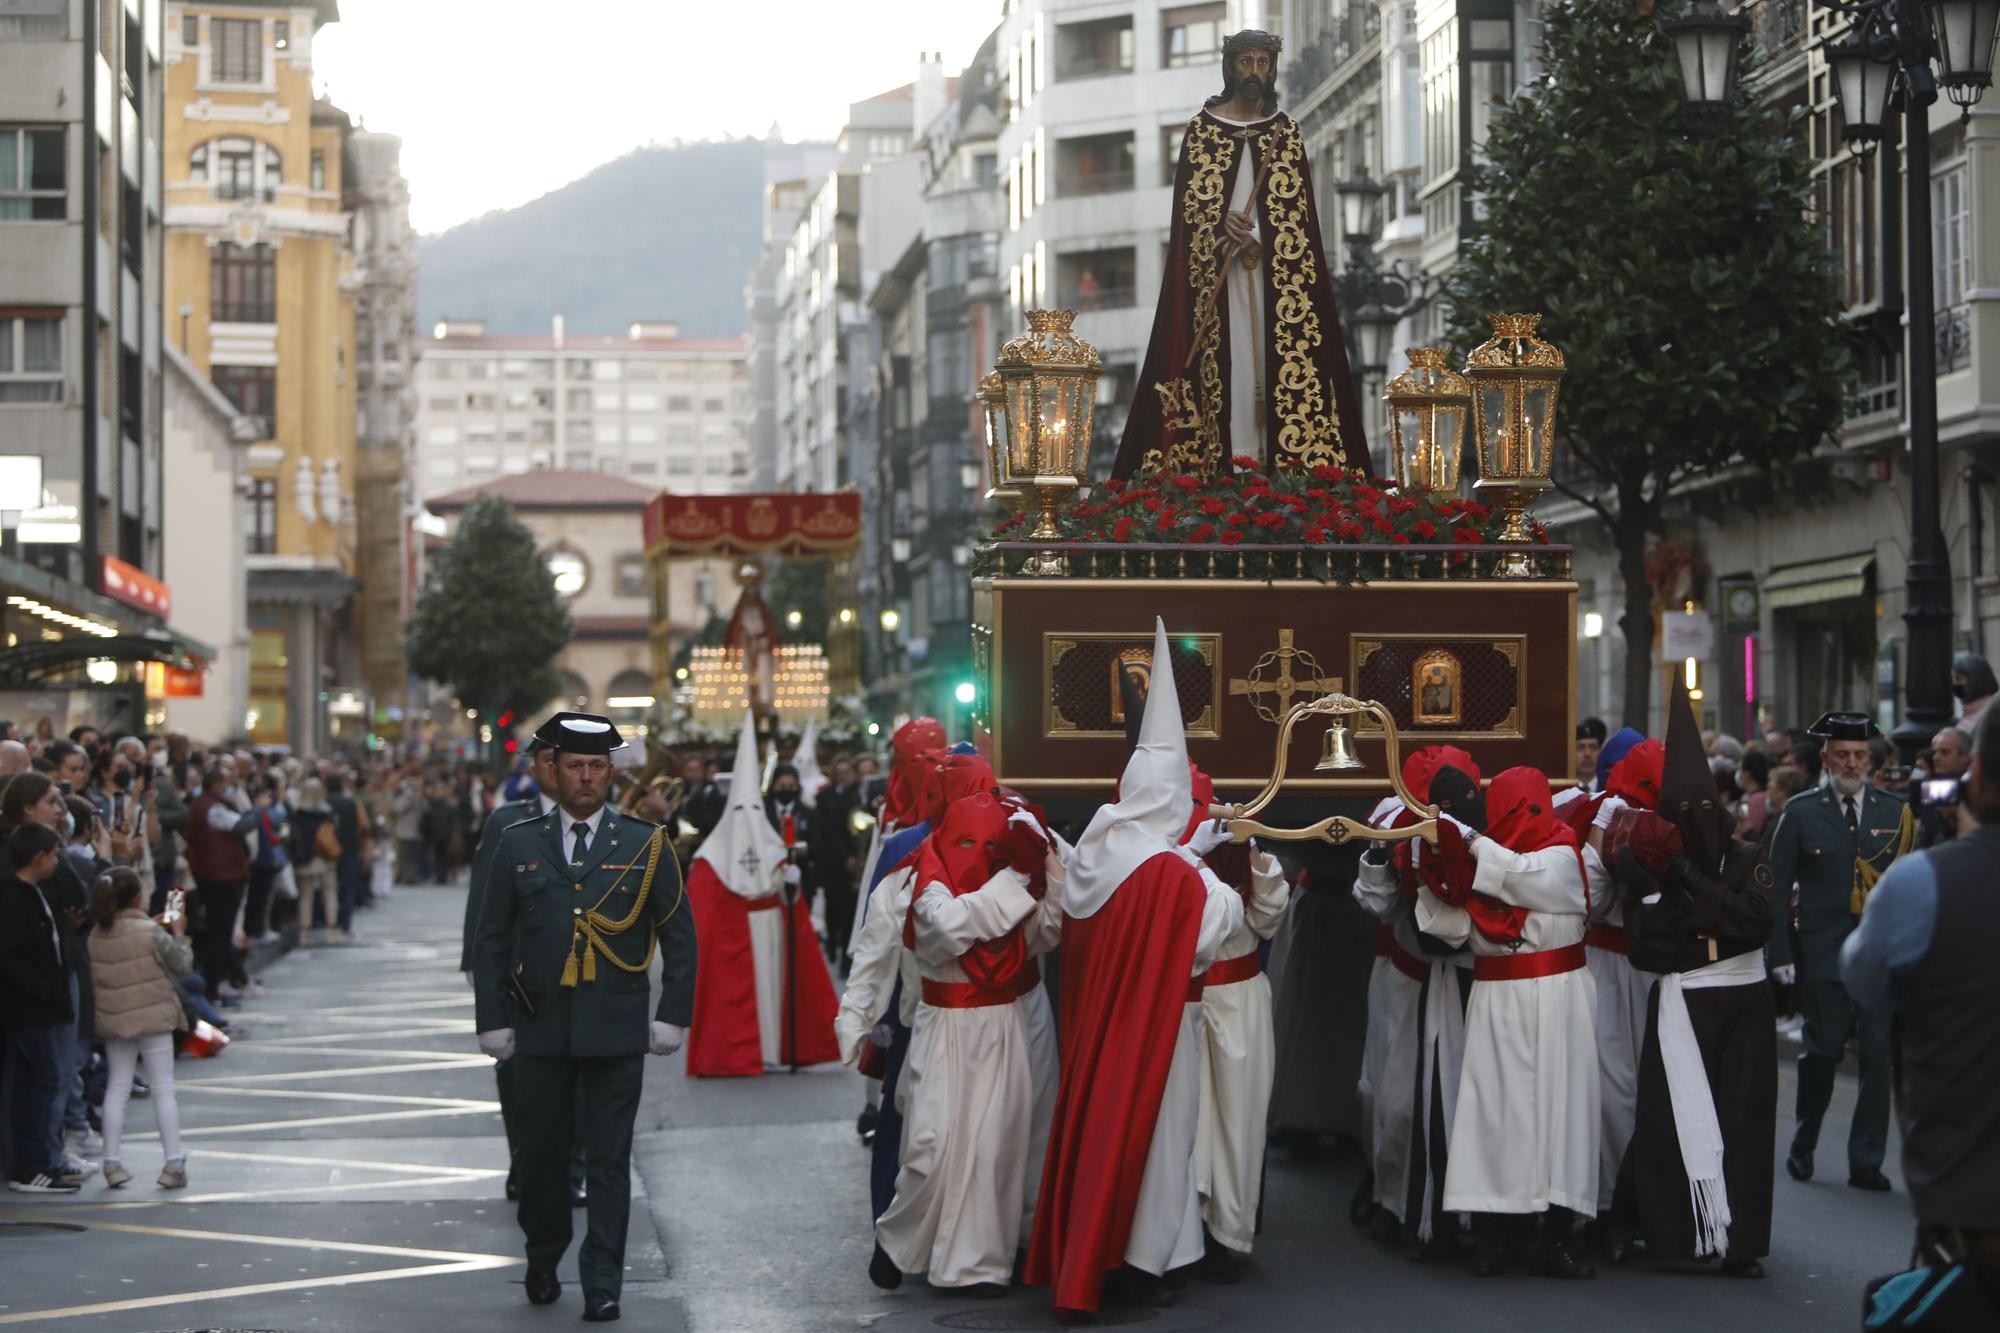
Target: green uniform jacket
{"points": [[527, 926], [1813, 849], [503, 816]]}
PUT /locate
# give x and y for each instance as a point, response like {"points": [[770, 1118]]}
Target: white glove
{"points": [[1610, 806], [499, 1043], [1207, 836], [1785, 974], [792, 876], [664, 1038], [1026, 819], [1465, 830]]}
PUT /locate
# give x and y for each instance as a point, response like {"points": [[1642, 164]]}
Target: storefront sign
{"points": [[136, 588], [1685, 634]]}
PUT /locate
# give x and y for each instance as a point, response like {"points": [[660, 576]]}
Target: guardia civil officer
{"points": [[1833, 844], [574, 907]]}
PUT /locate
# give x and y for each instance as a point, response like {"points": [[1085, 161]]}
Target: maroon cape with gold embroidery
{"points": [[1180, 411]]}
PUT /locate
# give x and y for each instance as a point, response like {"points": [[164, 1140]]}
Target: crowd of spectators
{"points": [[143, 878]]}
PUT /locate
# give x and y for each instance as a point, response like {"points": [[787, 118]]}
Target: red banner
{"points": [[135, 587], [754, 524]]}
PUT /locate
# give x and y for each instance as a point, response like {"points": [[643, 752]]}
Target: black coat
{"points": [[34, 976]]}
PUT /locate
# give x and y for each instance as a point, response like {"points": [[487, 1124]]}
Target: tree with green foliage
{"points": [[489, 621], [1675, 263]]}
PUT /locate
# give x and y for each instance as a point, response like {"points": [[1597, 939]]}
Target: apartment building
{"points": [[666, 412], [791, 173], [81, 513]]}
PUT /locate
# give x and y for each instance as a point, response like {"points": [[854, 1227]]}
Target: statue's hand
{"points": [[1237, 227]]}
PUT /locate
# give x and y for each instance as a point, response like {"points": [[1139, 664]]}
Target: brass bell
{"points": [[1336, 749]]}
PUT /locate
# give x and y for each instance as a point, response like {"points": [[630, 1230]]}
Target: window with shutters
{"points": [[262, 529], [252, 390], [243, 284], [238, 56]]}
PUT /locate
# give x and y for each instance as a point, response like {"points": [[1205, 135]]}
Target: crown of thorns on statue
{"points": [[1238, 43]]}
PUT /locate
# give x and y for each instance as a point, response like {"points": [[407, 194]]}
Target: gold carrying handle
{"points": [[1336, 829]]}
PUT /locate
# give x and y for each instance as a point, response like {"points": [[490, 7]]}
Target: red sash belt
{"points": [[1526, 966], [1609, 938], [1196, 987], [1386, 946], [968, 995], [1231, 970], [770, 904]]}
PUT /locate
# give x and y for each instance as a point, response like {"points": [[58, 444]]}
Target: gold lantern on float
{"points": [[1515, 377], [993, 409], [1428, 404], [1048, 392]]}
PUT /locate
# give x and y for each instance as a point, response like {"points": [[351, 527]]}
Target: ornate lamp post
{"points": [[1884, 63], [1707, 43], [1515, 377], [1428, 404], [993, 406], [1048, 395], [1372, 300]]}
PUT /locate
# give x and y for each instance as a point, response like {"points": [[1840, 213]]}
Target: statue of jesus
{"points": [[1246, 357]]}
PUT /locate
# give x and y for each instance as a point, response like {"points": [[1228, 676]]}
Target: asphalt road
{"points": [[347, 1167]]}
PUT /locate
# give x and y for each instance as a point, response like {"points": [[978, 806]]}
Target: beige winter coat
{"points": [[133, 965]]}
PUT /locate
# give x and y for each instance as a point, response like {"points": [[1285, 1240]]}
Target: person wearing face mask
{"points": [[785, 807], [1973, 683], [1832, 845]]}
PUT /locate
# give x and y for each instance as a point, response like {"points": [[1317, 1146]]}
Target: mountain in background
{"points": [[663, 233]]}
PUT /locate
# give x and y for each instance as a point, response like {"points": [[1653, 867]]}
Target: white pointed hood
{"points": [[806, 760], [1155, 798], [744, 849]]}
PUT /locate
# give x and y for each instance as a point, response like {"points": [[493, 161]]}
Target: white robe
{"points": [[1622, 991], [1389, 1057], [980, 1094], [878, 961], [1238, 1061], [767, 959], [1526, 1128], [1244, 299], [1166, 1224]]}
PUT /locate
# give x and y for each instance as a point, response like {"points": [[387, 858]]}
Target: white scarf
{"points": [[1695, 1121]]}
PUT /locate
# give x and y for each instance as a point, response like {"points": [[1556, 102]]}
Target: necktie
{"points": [[1853, 823], [582, 832]]}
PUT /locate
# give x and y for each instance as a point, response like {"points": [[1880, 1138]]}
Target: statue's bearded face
{"points": [[1249, 76]]}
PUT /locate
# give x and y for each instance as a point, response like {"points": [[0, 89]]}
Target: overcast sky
{"points": [[501, 101]]}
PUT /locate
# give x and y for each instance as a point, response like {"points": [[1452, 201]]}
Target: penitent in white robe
{"points": [[1389, 1058], [879, 960], [1238, 1056], [1166, 1224], [972, 1132], [1526, 1128]]}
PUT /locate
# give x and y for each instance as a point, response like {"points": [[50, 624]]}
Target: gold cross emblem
{"points": [[1298, 672]]}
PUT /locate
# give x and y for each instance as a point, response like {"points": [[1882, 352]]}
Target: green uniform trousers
{"points": [[559, 1101], [1830, 1018], [503, 1083]]}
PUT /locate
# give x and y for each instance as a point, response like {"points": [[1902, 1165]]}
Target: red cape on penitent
{"points": [[1125, 974], [724, 1040]]}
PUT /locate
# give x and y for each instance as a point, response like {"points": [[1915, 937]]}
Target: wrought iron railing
{"points": [[1954, 339]]}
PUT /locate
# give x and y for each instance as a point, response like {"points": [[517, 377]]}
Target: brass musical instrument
{"points": [[1336, 754]]}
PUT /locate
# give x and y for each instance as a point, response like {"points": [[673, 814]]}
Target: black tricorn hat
{"points": [[1843, 727], [580, 733]]}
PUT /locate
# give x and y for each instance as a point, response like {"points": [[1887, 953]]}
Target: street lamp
{"points": [[1707, 42], [1372, 300], [1887, 55], [1358, 196]]}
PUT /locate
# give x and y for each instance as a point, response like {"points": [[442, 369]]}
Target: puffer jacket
{"points": [[134, 965]]}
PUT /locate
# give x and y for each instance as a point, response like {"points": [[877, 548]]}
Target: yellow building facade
{"points": [[260, 295]]}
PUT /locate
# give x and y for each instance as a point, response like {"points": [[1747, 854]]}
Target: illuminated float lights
{"points": [[80, 624]]}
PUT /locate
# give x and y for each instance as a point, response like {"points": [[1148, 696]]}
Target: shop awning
{"points": [[35, 662], [1818, 581]]}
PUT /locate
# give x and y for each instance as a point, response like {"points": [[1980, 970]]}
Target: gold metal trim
{"points": [[1335, 829], [1000, 583], [1204, 726], [1511, 646], [1441, 665]]}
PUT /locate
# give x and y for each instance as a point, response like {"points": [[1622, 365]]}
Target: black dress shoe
{"points": [[1617, 1242], [1219, 1266], [543, 1288], [1562, 1258], [1867, 1178], [579, 1195], [864, 1124], [1386, 1227], [599, 1307], [1742, 1268], [513, 1190], [1799, 1164], [1490, 1254], [975, 1291], [1361, 1208], [882, 1270], [1135, 1286]]}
